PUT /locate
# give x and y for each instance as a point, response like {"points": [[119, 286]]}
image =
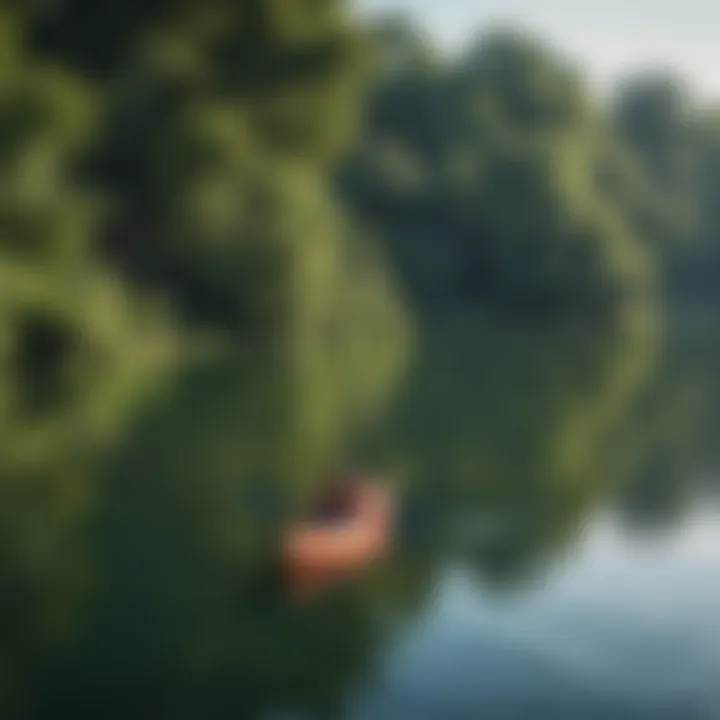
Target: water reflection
{"points": [[512, 434], [621, 629], [504, 442]]}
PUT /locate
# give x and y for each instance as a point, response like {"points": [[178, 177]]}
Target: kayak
{"points": [[327, 547]]}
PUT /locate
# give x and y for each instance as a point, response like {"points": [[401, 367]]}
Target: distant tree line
{"points": [[497, 177]]}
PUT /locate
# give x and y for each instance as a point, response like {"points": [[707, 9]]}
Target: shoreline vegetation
{"points": [[304, 179], [319, 194]]}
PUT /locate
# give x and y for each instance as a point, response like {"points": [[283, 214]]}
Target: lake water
{"points": [[557, 553]]}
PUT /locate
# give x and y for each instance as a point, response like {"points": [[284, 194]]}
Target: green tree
{"points": [[482, 176]]}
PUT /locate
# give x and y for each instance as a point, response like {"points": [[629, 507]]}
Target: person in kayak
{"points": [[339, 499]]}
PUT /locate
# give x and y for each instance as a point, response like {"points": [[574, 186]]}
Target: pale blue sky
{"points": [[609, 37]]}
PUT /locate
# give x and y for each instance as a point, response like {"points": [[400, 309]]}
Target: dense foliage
{"points": [[496, 177], [171, 176]]}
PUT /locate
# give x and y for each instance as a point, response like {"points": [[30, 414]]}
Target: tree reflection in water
{"points": [[503, 451]]}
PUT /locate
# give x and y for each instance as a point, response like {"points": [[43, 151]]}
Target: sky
{"points": [[608, 38]]}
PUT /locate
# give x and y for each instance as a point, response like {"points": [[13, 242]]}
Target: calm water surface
{"points": [[558, 553]]}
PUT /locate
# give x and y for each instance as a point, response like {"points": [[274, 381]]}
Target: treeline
{"points": [[273, 173], [170, 168], [165, 170], [496, 176], [302, 188]]}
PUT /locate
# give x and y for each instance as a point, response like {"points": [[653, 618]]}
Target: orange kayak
{"points": [[323, 548]]}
